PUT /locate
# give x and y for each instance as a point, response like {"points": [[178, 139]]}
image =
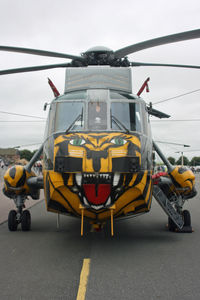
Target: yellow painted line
{"points": [[83, 279]]}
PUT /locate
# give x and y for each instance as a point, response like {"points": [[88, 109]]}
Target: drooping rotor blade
{"points": [[182, 36], [140, 64], [34, 68], [38, 52]]}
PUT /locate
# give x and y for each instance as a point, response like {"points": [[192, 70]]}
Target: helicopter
{"points": [[98, 152]]}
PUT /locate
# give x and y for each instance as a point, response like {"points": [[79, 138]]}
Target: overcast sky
{"points": [[74, 26]]}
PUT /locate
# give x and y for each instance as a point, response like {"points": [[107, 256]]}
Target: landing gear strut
{"points": [[187, 228], [15, 217]]}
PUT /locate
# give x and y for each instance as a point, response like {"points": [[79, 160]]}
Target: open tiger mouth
{"points": [[97, 188]]}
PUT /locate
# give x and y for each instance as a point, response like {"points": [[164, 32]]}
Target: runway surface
{"points": [[142, 261]]}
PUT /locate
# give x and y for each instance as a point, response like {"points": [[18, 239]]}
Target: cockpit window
{"points": [[97, 115], [74, 96], [115, 95], [126, 113], [69, 115]]}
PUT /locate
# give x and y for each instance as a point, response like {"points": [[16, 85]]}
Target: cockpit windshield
{"points": [[97, 115], [128, 114], [69, 115]]}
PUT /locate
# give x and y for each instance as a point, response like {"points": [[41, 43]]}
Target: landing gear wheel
{"points": [[186, 218], [12, 220], [26, 220], [171, 225]]}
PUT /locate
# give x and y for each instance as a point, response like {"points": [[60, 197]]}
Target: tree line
{"points": [[26, 154], [195, 161]]}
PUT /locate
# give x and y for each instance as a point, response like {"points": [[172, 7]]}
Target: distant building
{"points": [[9, 155]]}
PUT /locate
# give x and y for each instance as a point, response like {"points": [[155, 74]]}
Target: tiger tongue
{"points": [[97, 193]]}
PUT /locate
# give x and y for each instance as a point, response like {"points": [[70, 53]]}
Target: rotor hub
{"points": [[101, 55], [99, 49]]}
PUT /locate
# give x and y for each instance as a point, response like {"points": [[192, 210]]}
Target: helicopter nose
{"points": [[96, 158]]}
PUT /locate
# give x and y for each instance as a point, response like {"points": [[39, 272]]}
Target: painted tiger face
{"points": [[98, 161]]}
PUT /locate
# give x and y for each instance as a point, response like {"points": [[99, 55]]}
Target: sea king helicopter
{"points": [[98, 148]]}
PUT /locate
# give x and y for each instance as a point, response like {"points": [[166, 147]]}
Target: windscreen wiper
{"points": [[119, 124], [74, 122]]}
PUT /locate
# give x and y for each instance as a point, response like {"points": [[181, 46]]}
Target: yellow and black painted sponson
{"points": [[15, 183], [183, 178], [180, 181], [98, 170]]}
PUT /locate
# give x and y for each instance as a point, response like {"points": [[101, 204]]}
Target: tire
{"points": [[186, 218], [171, 225], [12, 220], [26, 220]]}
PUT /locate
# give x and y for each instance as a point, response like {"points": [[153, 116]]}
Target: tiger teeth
{"points": [[108, 201], [78, 178], [103, 176], [85, 201], [116, 179], [96, 207], [94, 175]]}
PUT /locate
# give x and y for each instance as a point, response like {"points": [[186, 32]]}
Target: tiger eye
{"points": [[77, 142]]}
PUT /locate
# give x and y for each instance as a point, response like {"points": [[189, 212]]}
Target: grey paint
{"points": [[112, 78]]}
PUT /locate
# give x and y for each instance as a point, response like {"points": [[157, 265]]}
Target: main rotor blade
{"points": [[31, 69], [38, 52], [140, 64], [188, 35]]}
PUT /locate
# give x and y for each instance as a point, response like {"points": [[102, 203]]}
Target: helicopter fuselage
{"points": [[98, 147]]}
